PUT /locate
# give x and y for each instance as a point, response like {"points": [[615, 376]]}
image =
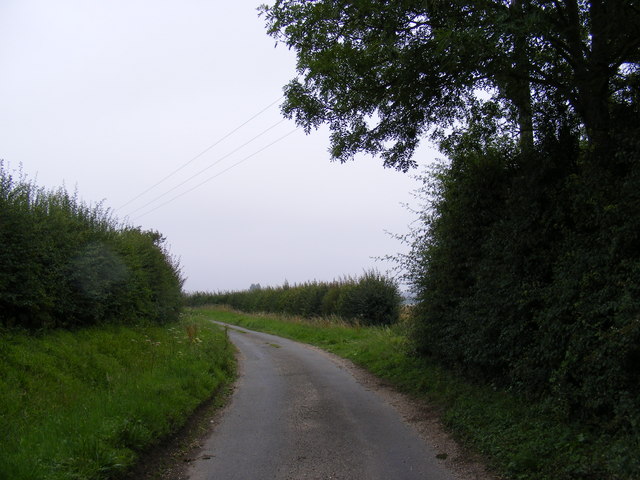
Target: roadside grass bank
{"points": [[521, 439], [84, 404]]}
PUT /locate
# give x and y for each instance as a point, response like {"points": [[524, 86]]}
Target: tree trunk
{"points": [[594, 89], [521, 87]]}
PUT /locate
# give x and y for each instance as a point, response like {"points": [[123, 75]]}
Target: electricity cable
{"points": [[201, 153], [206, 168], [218, 174]]}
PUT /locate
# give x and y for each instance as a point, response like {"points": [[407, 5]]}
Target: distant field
{"points": [[82, 404], [521, 439]]}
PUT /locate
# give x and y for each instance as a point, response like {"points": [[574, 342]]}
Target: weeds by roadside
{"points": [[83, 404]]}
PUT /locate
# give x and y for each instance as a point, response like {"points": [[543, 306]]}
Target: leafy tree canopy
{"points": [[383, 75]]}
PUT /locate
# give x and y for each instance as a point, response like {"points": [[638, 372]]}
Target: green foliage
{"points": [[372, 299], [521, 439], [381, 75], [66, 264], [84, 404], [526, 273]]}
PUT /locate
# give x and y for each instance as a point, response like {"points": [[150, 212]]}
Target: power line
{"points": [[218, 174], [201, 153], [207, 168]]}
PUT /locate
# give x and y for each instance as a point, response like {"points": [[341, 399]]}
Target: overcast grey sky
{"points": [[112, 96]]}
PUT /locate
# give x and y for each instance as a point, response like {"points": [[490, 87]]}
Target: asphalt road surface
{"points": [[297, 414]]}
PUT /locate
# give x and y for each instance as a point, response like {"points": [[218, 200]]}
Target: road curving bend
{"points": [[298, 414]]}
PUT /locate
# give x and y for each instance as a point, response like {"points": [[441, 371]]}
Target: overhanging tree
{"points": [[383, 75], [526, 266]]}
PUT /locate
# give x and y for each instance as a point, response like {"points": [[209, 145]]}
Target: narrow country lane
{"points": [[297, 414]]}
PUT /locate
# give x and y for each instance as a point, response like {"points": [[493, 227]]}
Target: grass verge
{"points": [[84, 404], [521, 440]]}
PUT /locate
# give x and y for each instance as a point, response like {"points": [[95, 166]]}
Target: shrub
{"points": [[372, 299], [64, 263], [526, 272]]}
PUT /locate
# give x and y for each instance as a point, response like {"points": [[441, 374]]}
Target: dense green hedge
{"points": [[527, 271], [372, 299], [64, 263]]}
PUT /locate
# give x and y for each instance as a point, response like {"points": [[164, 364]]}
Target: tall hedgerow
{"points": [[371, 299], [526, 270], [64, 263]]}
